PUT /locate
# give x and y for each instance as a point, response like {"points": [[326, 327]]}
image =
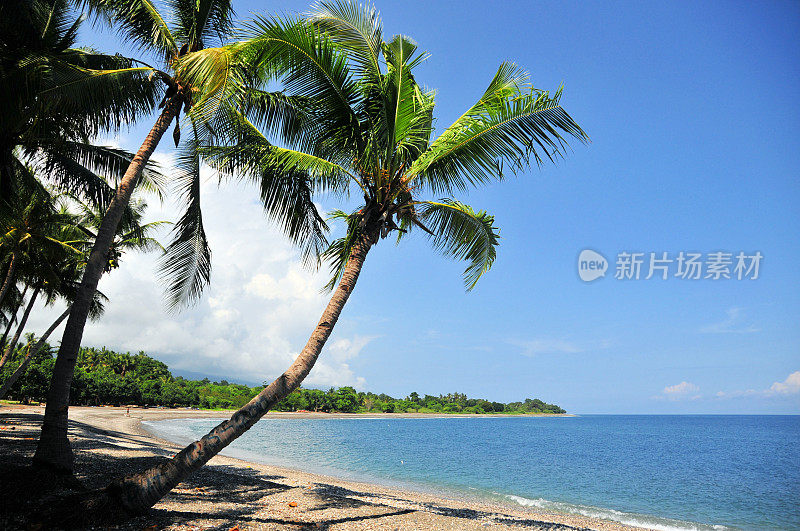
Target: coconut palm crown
{"points": [[59, 98], [353, 116]]}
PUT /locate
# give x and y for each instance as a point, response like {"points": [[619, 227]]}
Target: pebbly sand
{"points": [[228, 493]]}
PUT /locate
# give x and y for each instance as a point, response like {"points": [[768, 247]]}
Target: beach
{"points": [[230, 492]]}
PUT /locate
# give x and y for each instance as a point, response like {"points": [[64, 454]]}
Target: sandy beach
{"points": [[230, 492]]}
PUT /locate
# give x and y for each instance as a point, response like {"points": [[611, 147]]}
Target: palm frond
{"points": [[186, 265], [510, 124], [290, 118], [68, 175], [356, 28], [312, 67], [409, 110], [107, 100], [287, 180], [197, 21], [461, 233], [139, 21], [215, 77], [338, 252], [113, 163], [247, 150]]}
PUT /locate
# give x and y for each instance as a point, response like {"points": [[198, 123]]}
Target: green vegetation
{"points": [[303, 106], [104, 377]]}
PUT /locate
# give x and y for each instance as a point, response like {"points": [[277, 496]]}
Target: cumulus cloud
{"points": [[790, 386], [252, 321], [682, 391], [734, 323]]}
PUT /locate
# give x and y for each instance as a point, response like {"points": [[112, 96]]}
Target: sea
{"points": [[663, 472]]}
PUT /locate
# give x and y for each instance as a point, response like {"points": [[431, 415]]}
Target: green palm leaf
{"points": [[197, 21], [310, 67], [107, 99], [139, 21], [186, 264], [356, 28], [338, 252], [463, 234], [511, 123]]}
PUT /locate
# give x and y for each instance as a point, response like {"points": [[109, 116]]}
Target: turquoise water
{"points": [[664, 472]]}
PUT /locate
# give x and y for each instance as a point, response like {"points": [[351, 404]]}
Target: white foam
{"points": [[634, 519]]}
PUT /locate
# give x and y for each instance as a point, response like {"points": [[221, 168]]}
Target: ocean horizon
{"points": [[666, 472]]}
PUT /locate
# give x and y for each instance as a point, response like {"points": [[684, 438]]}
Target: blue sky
{"points": [[695, 127]]}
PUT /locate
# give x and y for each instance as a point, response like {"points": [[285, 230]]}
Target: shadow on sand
{"points": [[216, 497]]}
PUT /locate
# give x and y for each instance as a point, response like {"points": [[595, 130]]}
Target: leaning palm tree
{"points": [[196, 24], [364, 120]]}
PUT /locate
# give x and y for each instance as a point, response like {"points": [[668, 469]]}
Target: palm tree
{"points": [[8, 312], [74, 231], [58, 97], [366, 121], [132, 234], [37, 237], [196, 24]]}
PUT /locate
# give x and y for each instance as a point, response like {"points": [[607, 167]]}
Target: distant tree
{"points": [[345, 400]]}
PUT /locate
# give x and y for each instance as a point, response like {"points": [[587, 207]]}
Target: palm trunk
{"points": [[9, 280], [11, 319], [20, 328], [53, 450], [31, 353], [135, 494]]}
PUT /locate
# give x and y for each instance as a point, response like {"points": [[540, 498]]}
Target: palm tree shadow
{"points": [[222, 496], [228, 518]]}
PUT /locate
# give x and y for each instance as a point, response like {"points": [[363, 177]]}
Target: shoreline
{"points": [[258, 496]]}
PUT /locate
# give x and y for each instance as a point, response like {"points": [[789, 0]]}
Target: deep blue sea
{"points": [[663, 472]]}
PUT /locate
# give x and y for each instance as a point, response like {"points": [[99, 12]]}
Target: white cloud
{"points": [[733, 324], [254, 318], [682, 391], [547, 346], [790, 386], [737, 394]]}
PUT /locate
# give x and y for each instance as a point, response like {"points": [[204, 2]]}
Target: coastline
{"points": [[230, 491]]}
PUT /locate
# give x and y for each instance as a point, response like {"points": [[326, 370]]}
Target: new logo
{"points": [[591, 265]]}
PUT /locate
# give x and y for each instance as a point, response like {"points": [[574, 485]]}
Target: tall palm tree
{"points": [[196, 23], [33, 236], [366, 121]]}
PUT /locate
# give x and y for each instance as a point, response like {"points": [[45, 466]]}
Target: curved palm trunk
{"points": [[31, 353], [135, 494], [20, 328], [11, 320], [9, 280], [53, 450]]}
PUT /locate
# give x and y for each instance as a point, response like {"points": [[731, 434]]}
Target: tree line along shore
{"points": [[106, 377]]}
